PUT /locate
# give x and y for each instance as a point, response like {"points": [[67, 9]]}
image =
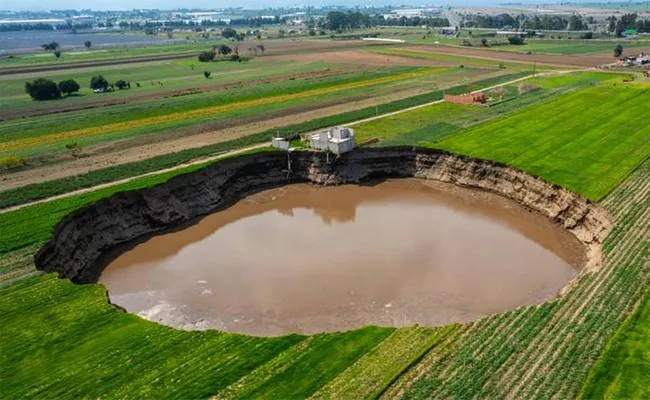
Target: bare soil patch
{"points": [[362, 57]]}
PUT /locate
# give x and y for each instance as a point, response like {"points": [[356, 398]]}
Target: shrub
{"points": [[68, 86], [98, 82], [206, 74], [228, 33], [206, 56], [42, 89], [516, 40], [122, 84], [11, 162]]}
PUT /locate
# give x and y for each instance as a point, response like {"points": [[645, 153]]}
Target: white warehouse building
{"points": [[338, 140]]}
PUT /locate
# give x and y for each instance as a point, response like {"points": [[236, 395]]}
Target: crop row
{"points": [[547, 353], [254, 87], [197, 113]]}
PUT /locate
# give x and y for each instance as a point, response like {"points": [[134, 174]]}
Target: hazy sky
{"points": [[42, 5]]}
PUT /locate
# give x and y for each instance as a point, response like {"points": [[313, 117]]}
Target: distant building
{"points": [[338, 140]]}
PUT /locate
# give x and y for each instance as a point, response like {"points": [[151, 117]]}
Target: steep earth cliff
{"points": [[83, 238]]}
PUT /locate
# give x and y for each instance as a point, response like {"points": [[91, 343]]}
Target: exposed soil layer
{"points": [[82, 240], [397, 253]]}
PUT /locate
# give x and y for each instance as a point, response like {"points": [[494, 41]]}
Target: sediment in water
{"points": [[81, 239]]}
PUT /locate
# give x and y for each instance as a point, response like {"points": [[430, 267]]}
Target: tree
{"points": [[206, 74], [206, 56], [50, 46], [618, 50], [224, 50], [484, 42], [122, 84], [68, 87], [87, 44], [42, 89], [57, 54], [261, 47], [98, 83], [228, 33]]}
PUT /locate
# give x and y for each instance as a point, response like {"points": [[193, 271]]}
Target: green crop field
{"points": [[600, 130], [587, 141], [460, 60], [421, 127], [623, 372], [566, 46]]}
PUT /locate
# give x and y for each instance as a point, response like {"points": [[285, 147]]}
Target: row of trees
{"points": [[46, 89], [545, 22], [628, 21], [341, 21], [224, 50]]}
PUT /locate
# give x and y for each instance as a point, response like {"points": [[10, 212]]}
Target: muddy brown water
{"points": [[306, 259]]}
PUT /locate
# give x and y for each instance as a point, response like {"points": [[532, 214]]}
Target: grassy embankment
{"points": [[56, 329], [46, 189], [623, 372]]}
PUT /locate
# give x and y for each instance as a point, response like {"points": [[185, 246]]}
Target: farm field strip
{"points": [[102, 130], [59, 186], [622, 371], [175, 80], [75, 120], [377, 369], [471, 60]]}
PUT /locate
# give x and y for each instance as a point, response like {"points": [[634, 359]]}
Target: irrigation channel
{"points": [[306, 258]]}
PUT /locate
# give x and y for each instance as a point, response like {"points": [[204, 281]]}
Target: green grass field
{"points": [[460, 60], [623, 372], [587, 141]]}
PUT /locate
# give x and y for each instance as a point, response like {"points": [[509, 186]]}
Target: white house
{"points": [[338, 140]]}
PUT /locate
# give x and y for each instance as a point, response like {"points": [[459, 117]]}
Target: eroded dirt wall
{"points": [[81, 239]]}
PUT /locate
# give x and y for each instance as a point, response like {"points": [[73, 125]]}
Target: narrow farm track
{"points": [[546, 351]]}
